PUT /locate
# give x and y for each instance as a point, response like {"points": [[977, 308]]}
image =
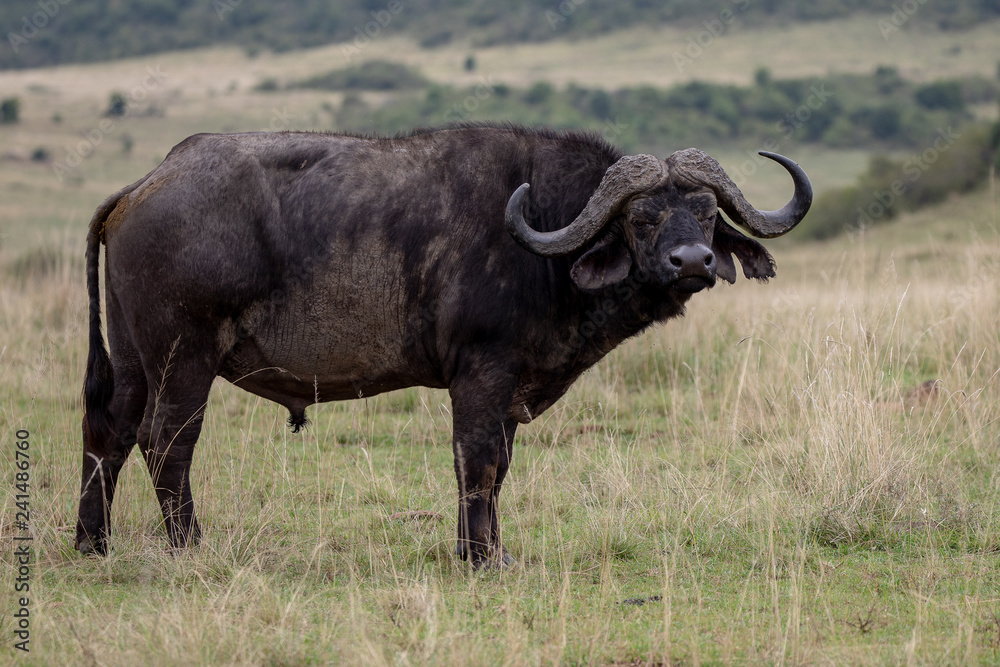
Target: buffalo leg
{"points": [[480, 444], [506, 456], [101, 469], [174, 412]]}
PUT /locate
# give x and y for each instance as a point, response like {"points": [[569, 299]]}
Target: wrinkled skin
{"points": [[308, 267]]}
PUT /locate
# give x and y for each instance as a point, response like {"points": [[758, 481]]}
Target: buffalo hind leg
{"points": [[480, 441], [174, 412], [101, 468], [100, 473]]}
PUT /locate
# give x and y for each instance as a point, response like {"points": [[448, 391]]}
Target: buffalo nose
{"points": [[693, 260]]}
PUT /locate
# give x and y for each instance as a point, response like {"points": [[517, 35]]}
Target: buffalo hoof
{"points": [[86, 547], [506, 561], [489, 561]]}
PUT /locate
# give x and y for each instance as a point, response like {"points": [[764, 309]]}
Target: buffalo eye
{"points": [[705, 213], [703, 207], [643, 220]]}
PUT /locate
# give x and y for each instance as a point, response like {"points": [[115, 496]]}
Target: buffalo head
{"points": [[661, 217]]}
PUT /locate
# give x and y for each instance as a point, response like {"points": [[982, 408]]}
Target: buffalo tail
{"points": [[99, 382]]}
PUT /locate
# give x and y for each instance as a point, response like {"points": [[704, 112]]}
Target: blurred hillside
{"points": [[45, 32], [880, 101], [878, 110]]}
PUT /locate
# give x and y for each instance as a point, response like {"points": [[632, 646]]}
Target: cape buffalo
{"points": [[498, 262]]}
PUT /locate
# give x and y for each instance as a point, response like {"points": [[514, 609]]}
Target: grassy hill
{"points": [[177, 94], [43, 32]]}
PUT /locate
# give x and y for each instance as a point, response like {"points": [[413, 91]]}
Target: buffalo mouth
{"points": [[692, 284]]}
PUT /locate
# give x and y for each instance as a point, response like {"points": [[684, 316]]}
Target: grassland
{"points": [[766, 467], [762, 482]]}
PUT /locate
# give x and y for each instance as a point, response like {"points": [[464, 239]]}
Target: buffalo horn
{"points": [[698, 167], [630, 175]]}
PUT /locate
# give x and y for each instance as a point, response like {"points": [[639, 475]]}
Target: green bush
{"points": [[949, 163], [600, 104], [888, 79], [833, 212], [842, 111], [10, 110], [960, 168], [945, 95], [842, 133], [539, 93], [995, 145], [885, 122], [979, 90], [268, 85], [372, 75], [117, 105]]}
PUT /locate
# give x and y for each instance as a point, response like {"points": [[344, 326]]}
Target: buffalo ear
{"points": [[607, 263], [756, 260]]}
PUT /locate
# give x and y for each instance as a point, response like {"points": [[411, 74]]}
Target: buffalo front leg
{"points": [[481, 442], [506, 456]]}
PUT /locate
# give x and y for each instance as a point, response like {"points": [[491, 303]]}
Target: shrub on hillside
{"points": [[117, 105], [10, 110], [955, 163], [372, 75], [944, 95], [838, 111]]}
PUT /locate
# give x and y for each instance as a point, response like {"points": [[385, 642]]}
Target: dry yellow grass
{"points": [[758, 466]]}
